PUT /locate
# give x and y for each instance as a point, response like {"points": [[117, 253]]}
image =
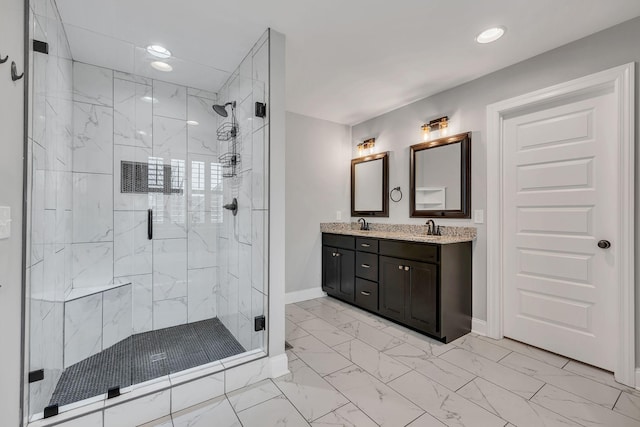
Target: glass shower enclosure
{"points": [[136, 270]]}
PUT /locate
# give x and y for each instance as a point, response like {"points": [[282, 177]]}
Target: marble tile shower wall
{"points": [[50, 201], [243, 239], [121, 117]]}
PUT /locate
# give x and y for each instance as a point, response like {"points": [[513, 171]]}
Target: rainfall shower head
{"points": [[222, 109]]}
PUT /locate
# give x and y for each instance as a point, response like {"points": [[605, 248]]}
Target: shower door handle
{"points": [[150, 224]]}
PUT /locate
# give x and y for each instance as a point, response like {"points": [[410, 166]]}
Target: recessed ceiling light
{"points": [[192, 123], [490, 35], [161, 66], [159, 51], [149, 99]]}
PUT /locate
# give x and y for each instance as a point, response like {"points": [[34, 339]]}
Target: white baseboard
{"points": [[279, 365], [303, 295], [479, 327]]}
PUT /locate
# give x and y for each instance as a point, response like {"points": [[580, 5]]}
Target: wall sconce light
{"points": [[366, 146], [440, 124]]}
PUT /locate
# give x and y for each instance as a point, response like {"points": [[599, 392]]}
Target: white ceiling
{"points": [[347, 60]]}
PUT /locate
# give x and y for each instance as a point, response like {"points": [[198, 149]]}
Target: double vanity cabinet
{"points": [[423, 285]]}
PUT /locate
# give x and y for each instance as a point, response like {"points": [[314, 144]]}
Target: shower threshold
{"points": [[145, 356]]}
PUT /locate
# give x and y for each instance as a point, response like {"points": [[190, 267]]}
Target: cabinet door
{"points": [[392, 287], [422, 299], [347, 260], [330, 270]]}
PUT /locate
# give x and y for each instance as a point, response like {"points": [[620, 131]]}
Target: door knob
{"points": [[604, 244]]}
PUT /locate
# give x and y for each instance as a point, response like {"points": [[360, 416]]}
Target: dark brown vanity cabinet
{"points": [[409, 292], [338, 266], [421, 285]]}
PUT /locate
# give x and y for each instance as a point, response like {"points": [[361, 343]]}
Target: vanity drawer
{"points": [[367, 245], [338, 241], [367, 266], [413, 251], [367, 294]]}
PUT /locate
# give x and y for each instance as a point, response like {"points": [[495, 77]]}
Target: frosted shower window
{"points": [[197, 189], [217, 193]]}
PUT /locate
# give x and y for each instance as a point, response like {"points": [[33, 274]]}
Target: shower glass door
{"points": [[135, 269]]}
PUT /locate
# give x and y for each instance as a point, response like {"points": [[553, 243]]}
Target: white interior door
{"points": [[560, 192]]}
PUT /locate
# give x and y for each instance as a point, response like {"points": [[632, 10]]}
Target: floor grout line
{"points": [[616, 402]]}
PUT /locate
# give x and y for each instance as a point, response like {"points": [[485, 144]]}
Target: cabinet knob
{"points": [[337, 253], [406, 268], [400, 267]]}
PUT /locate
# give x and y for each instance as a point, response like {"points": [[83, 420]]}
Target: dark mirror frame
{"points": [[465, 179], [385, 185]]}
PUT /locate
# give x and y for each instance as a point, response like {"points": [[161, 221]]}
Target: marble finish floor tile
{"points": [[423, 342], [293, 330], [334, 303], [628, 405], [533, 352], [161, 422], [378, 364], [312, 396], [580, 410], [347, 370], [216, 412], [563, 379], [369, 318], [599, 375], [372, 336], [444, 404], [511, 407], [296, 314], [305, 305], [505, 377], [381, 403], [325, 332], [426, 420], [347, 416], [275, 412], [330, 314], [439, 370], [481, 348], [320, 357], [253, 395]]}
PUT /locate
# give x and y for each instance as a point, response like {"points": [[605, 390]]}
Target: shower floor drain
{"points": [[158, 357]]}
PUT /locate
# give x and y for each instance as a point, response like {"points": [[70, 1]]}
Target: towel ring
{"points": [[391, 194], [2, 61]]}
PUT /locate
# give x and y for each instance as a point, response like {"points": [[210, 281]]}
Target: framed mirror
{"points": [[440, 178], [370, 185]]}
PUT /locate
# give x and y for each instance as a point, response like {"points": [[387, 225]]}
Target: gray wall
{"points": [[318, 184], [11, 144], [466, 107]]}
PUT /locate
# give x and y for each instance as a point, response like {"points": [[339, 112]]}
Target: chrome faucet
{"points": [[364, 225], [432, 229]]}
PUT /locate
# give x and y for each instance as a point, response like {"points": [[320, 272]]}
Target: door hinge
{"points": [[259, 323], [261, 109], [51, 411], [35, 376], [41, 47], [113, 392]]}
